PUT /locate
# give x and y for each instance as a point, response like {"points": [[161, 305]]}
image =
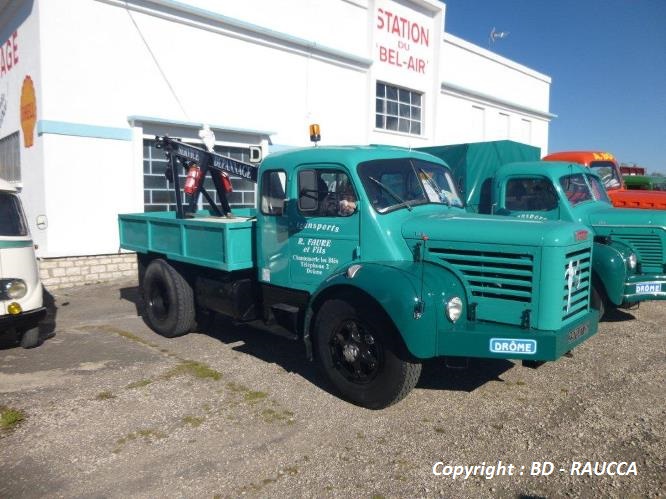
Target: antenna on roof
{"points": [[496, 35]]}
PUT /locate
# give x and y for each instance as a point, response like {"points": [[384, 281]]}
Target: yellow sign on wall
{"points": [[28, 111]]}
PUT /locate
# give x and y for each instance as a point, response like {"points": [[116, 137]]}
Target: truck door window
{"points": [[12, 221], [273, 186], [530, 194], [576, 188], [325, 193]]}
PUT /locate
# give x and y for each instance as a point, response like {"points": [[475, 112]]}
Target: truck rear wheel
{"points": [[168, 299], [356, 352]]}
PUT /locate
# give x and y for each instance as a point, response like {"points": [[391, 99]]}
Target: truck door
{"points": [[324, 231], [273, 228], [532, 198]]}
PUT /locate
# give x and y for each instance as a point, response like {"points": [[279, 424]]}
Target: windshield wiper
{"points": [[392, 194], [433, 185]]}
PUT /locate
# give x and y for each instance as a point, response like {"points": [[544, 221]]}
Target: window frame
{"points": [[394, 107]]}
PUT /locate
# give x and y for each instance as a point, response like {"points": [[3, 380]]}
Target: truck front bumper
{"points": [[488, 340], [24, 320], [644, 288]]}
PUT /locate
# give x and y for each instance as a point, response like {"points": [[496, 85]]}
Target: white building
{"points": [[85, 85]]}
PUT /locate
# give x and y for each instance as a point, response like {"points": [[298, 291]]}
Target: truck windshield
{"points": [[12, 221], [403, 182], [580, 188], [608, 173], [597, 187]]}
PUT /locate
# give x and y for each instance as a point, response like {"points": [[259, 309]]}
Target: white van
{"points": [[21, 306]]}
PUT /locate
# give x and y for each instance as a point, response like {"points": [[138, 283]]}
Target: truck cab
{"points": [[605, 165], [367, 256], [21, 308], [507, 178], [629, 262]]}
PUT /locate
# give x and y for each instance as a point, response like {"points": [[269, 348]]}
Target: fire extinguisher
{"points": [[226, 182], [192, 179]]}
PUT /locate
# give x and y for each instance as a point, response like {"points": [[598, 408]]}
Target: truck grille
{"points": [[576, 274], [495, 275], [649, 248]]}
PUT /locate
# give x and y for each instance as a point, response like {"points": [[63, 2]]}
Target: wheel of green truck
{"points": [[356, 352], [168, 300], [598, 301], [30, 337]]}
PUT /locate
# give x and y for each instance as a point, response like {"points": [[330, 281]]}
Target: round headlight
{"points": [[454, 308], [15, 289], [632, 260]]}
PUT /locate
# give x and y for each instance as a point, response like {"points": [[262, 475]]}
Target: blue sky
{"points": [[607, 61]]}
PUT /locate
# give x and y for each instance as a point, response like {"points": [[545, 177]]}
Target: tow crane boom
{"points": [[189, 156]]}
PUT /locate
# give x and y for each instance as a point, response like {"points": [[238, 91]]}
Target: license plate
{"points": [[648, 287], [513, 346], [574, 334]]}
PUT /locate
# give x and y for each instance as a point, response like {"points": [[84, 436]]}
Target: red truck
{"points": [[605, 165]]}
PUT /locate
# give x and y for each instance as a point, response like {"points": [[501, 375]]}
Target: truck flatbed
{"points": [[215, 242]]}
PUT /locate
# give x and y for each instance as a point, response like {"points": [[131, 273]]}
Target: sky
{"points": [[607, 61]]}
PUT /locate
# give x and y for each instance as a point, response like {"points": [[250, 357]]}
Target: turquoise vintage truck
{"points": [[396, 274], [629, 264]]}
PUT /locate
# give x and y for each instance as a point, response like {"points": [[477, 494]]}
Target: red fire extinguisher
{"points": [[226, 182], [192, 179]]}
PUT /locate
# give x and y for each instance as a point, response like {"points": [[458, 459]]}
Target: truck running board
{"points": [[286, 317]]}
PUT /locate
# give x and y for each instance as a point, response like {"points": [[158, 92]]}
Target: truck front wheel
{"points": [[598, 301], [168, 300], [30, 337], [356, 351]]}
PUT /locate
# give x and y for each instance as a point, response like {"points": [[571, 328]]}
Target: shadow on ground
{"points": [[618, 315], [438, 374]]}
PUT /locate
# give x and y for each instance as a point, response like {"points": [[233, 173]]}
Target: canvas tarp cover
{"points": [[474, 164]]}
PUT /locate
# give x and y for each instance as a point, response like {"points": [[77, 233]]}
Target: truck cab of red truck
{"points": [[605, 165]]}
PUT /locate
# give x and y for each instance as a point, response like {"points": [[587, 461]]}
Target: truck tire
{"points": [[30, 337], [357, 354], [168, 300], [598, 301]]}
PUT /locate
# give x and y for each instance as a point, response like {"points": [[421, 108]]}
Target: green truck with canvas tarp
{"points": [[366, 255], [508, 178]]}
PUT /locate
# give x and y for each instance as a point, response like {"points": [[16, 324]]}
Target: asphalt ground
{"points": [[107, 408]]}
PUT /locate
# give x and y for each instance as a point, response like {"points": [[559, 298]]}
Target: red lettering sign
{"points": [[398, 59], [9, 54], [402, 27]]}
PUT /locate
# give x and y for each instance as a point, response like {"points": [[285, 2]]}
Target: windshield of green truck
{"points": [[580, 188], [608, 173], [12, 221], [404, 182]]}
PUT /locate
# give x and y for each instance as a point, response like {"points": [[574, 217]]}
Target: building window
{"points": [[398, 109], [10, 159], [158, 194]]}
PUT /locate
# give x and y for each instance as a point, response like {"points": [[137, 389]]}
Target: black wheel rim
{"points": [[355, 352], [158, 301]]}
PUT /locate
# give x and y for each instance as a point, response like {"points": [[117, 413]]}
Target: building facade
{"points": [[85, 89]]}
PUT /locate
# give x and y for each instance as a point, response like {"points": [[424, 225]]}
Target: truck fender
{"points": [[397, 290], [610, 271]]}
